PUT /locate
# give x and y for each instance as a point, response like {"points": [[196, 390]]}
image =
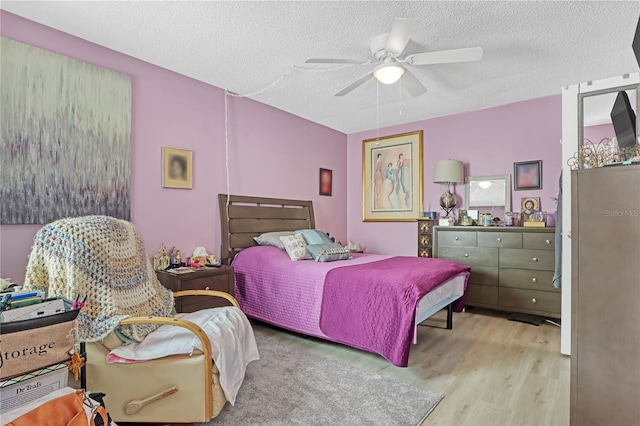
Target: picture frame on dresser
{"points": [[392, 178]]}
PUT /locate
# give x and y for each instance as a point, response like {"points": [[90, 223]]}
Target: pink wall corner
{"points": [[487, 141], [272, 153]]}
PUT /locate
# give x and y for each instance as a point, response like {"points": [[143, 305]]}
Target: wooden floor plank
{"points": [[492, 371]]}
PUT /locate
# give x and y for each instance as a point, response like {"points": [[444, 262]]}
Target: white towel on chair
{"points": [[233, 345]]}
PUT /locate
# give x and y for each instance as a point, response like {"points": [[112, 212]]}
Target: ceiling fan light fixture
{"points": [[388, 74]]}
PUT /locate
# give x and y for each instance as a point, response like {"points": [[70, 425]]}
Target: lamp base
{"points": [[447, 202]]}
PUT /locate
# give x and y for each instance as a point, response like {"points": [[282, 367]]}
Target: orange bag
{"points": [[66, 410]]}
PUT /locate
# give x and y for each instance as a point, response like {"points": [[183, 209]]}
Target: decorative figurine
{"points": [[161, 259], [175, 258]]}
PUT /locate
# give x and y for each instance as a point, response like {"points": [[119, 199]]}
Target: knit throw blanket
{"points": [[104, 259]]}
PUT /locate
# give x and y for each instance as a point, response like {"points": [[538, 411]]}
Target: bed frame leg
{"points": [[450, 316]]}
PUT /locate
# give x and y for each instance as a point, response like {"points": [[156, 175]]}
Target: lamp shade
{"points": [[388, 74], [449, 171]]}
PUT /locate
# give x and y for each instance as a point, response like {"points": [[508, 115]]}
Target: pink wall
{"points": [[596, 133], [487, 141], [272, 153]]}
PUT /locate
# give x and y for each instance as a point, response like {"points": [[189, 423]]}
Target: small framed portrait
{"points": [[177, 168], [326, 182], [527, 175], [529, 206]]}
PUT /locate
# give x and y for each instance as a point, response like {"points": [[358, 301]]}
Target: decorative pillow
{"points": [[296, 247], [328, 252], [272, 239], [314, 236]]}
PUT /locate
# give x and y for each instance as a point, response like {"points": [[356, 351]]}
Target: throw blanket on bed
{"points": [[372, 306], [103, 259]]}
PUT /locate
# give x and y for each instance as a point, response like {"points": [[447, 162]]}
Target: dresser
{"points": [[511, 267], [220, 279], [425, 237]]}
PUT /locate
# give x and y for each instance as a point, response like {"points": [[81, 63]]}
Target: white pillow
{"points": [[272, 239], [296, 247]]}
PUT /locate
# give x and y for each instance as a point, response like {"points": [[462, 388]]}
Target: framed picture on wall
{"points": [[392, 177], [527, 175], [177, 168], [326, 182]]}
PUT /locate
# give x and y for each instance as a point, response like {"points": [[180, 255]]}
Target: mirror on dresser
{"points": [[607, 127], [489, 194]]}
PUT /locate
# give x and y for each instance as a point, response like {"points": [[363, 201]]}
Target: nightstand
{"points": [[220, 279]]}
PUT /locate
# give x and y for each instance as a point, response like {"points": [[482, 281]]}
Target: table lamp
{"points": [[448, 171]]}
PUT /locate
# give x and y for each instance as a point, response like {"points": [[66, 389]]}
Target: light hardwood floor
{"points": [[492, 371]]}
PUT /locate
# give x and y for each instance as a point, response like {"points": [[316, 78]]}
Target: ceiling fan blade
{"points": [[466, 54], [359, 82], [412, 84], [400, 35], [334, 61]]}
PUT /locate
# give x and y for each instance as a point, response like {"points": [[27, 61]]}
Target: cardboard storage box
{"points": [[22, 390], [36, 343]]}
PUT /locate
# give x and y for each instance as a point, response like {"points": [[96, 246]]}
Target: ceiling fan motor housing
{"points": [[377, 47]]}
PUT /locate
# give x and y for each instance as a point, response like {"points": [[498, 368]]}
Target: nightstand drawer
{"points": [[543, 260], [482, 294], [527, 278], [424, 240], [457, 238], [500, 239], [220, 279], [533, 300], [472, 256], [544, 241]]}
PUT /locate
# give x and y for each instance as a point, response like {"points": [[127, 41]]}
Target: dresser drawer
{"points": [[482, 294], [500, 239], [425, 252], [533, 300], [472, 256], [527, 278], [424, 240], [457, 238], [486, 275], [539, 241], [425, 226], [543, 260]]}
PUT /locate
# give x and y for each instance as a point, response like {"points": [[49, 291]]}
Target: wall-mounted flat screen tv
{"points": [[624, 121]]}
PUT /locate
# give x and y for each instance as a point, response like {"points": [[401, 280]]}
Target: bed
{"points": [[371, 302]]}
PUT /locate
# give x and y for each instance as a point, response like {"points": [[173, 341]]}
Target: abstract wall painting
{"points": [[65, 137]]}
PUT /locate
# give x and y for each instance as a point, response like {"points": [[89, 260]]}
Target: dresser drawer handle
{"points": [[466, 255], [456, 238], [547, 242], [207, 288], [535, 259], [534, 300], [535, 280], [499, 240]]}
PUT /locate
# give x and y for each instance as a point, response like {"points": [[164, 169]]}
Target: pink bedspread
{"points": [[372, 306], [300, 296], [272, 288]]}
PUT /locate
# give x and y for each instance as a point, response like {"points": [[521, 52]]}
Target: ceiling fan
{"points": [[387, 49]]}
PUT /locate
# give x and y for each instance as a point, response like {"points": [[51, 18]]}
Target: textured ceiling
{"points": [[531, 49]]}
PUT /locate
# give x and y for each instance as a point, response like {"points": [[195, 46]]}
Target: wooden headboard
{"points": [[248, 217]]}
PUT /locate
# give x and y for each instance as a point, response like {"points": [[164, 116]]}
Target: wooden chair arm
{"points": [[214, 293], [194, 328], [206, 349]]}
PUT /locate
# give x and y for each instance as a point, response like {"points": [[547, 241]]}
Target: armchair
{"points": [[103, 260], [179, 388]]}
